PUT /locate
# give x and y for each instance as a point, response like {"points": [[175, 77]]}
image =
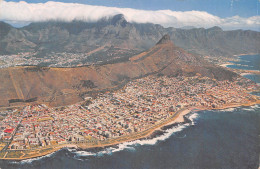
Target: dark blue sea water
{"points": [[226, 139], [223, 139], [254, 77], [247, 62]]}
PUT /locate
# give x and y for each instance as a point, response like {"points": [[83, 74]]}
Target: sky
{"points": [[228, 14]]}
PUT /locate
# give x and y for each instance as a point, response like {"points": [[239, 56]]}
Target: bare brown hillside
{"points": [[63, 86]]}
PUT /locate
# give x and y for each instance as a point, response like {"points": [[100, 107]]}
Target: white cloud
{"points": [[31, 12]]}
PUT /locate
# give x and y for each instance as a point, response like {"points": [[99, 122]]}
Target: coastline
{"points": [[225, 64], [176, 118], [243, 54]]}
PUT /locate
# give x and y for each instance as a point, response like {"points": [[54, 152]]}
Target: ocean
{"points": [[248, 62], [215, 139]]}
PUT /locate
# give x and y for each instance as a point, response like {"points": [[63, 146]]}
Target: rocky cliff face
{"points": [[80, 37], [165, 39], [63, 86]]}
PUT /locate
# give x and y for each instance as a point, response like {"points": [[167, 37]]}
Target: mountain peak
{"points": [[164, 40], [118, 20]]}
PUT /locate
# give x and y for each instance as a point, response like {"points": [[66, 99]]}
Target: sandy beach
{"points": [[243, 74], [226, 64], [243, 54], [180, 117]]}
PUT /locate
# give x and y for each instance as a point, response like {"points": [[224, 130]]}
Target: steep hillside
{"points": [[125, 38], [62, 86]]}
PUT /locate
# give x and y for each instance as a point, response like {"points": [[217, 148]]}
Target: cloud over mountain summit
{"points": [[33, 12]]}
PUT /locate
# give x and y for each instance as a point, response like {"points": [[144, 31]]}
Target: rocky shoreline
{"points": [[152, 133]]}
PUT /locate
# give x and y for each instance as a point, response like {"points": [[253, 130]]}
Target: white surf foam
{"points": [[34, 159], [153, 141], [255, 106], [252, 108], [248, 109], [129, 145], [193, 117], [227, 110]]}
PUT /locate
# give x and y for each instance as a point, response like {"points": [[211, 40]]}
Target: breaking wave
{"points": [[227, 110], [249, 109], [255, 106], [34, 159], [131, 145]]}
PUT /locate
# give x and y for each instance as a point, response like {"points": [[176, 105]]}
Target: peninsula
{"points": [[104, 105], [130, 113]]}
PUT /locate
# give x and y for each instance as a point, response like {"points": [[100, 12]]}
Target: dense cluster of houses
{"points": [[138, 106]]}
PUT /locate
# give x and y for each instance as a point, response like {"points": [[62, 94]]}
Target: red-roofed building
{"points": [[8, 130]]}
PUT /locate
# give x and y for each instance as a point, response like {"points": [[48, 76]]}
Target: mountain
{"points": [[115, 37], [5, 28], [63, 86]]}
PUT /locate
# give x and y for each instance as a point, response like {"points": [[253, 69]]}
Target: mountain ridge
{"points": [[63, 86], [83, 37]]}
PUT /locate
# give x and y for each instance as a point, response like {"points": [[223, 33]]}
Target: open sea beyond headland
{"points": [[210, 139], [248, 62]]}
